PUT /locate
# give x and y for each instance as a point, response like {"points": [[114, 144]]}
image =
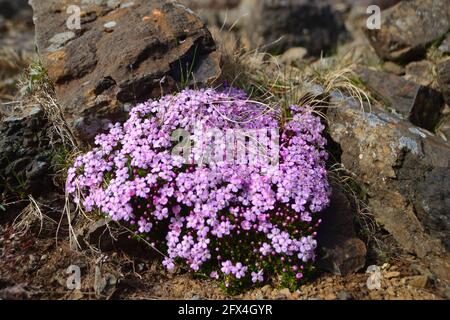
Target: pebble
{"points": [[447, 294], [109, 26], [62, 38], [418, 281], [285, 292], [259, 296], [330, 296], [392, 274], [266, 289], [391, 291], [344, 295], [127, 5], [59, 40]]}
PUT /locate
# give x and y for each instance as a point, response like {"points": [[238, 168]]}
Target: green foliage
{"points": [[35, 76], [186, 69]]}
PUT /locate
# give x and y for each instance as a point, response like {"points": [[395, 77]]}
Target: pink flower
{"points": [[257, 276]]}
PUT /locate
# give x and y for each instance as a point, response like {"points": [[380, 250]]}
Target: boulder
{"points": [[444, 47], [444, 129], [210, 4], [340, 251], [219, 13], [383, 4], [420, 72], [408, 28], [405, 169], [391, 67], [420, 104], [25, 155], [278, 25], [125, 52], [15, 9], [443, 70]]}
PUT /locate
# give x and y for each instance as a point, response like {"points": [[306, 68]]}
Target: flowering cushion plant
{"points": [[242, 222]]}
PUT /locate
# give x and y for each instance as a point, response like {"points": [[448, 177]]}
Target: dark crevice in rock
{"points": [[154, 50], [105, 84]]}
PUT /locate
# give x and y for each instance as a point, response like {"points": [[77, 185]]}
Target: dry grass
{"points": [[31, 216], [38, 89]]}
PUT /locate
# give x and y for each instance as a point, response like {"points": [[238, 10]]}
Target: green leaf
{"points": [[2, 208]]}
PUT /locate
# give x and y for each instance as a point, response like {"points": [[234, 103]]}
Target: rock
{"points": [[420, 72], [344, 295], [444, 129], [446, 293], [99, 235], [340, 251], [259, 296], [444, 47], [224, 14], [266, 290], [293, 56], [278, 25], [76, 295], [443, 70], [392, 274], [15, 9], [408, 28], [344, 258], [418, 281], [285, 292], [125, 53], [15, 292], [211, 4], [391, 67], [383, 4], [406, 171], [420, 104], [296, 295], [109, 26], [26, 154], [105, 235]]}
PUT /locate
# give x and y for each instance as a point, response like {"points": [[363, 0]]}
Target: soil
{"points": [[35, 267]]}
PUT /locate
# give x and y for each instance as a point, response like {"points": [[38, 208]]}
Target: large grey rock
{"points": [[408, 28], [26, 155], [383, 4], [224, 14], [126, 52], [422, 105], [278, 25], [444, 47], [210, 4], [443, 70], [406, 171], [12, 9], [421, 72]]}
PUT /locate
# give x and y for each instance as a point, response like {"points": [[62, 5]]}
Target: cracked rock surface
{"points": [[125, 52]]}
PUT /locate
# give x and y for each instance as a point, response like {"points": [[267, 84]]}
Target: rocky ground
{"points": [[388, 131], [34, 268]]}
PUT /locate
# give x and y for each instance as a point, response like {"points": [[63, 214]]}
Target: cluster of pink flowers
{"points": [[240, 223]]}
